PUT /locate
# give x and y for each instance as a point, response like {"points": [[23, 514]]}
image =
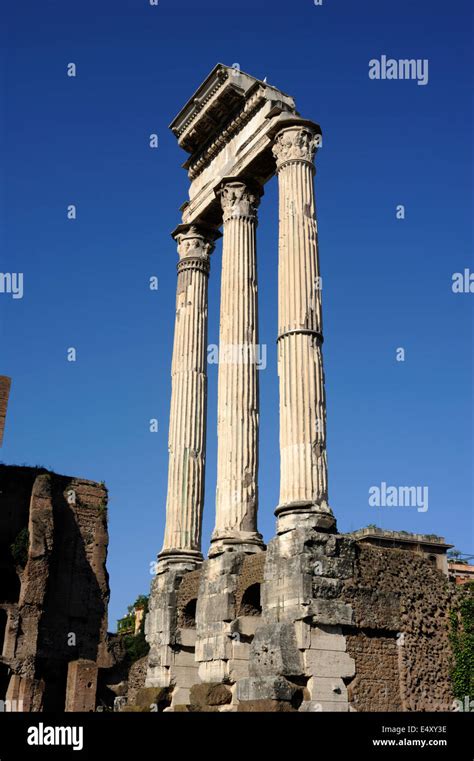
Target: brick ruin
{"points": [[54, 590], [317, 622]]}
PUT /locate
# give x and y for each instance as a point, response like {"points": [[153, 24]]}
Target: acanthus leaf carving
{"points": [[238, 200], [295, 144]]}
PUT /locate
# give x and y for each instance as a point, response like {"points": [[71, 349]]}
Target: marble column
{"points": [[187, 428], [238, 403], [303, 477]]}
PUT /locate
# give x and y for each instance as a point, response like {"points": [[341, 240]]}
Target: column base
{"points": [[242, 541], [305, 515], [185, 559]]}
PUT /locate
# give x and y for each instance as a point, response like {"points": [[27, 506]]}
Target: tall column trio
{"points": [[303, 478]]}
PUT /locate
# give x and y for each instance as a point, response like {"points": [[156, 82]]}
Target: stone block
{"points": [[327, 638], [166, 653], [274, 651], [214, 648], [240, 650], [330, 612], [238, 670], [212, 629], [184, 676], [186, 637], [246, 625], [210, 694], [183, 658], [158, 676], [306, 521], [303, 635], [213, 671], [180, 696], [329, 663], [81, 686], [327, 689], [265, 688], [218, 607], [148, 696], [336, 568]]}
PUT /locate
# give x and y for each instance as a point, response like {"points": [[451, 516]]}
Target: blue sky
{"points": [[386, 282]]}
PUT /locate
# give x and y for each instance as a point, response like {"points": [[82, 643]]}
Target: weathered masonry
{"points": [[54, 590], [315, 621]]}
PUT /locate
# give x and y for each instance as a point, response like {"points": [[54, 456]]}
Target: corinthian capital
{"points": [[295, 144], [238, 199], [195, 245]]}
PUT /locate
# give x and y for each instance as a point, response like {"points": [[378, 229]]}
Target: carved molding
{"points": [[238, 200], [254, 104], [194, 263], [199, 104], [295, 144], [194, 248]]}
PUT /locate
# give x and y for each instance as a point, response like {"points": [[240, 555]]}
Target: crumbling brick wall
{"points": [[188, 591], [61, 606], [136, 678], [376, 685], [251, 573], [400, 641]]}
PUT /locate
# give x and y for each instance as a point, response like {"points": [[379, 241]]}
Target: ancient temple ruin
{"points": [[315, 621]]}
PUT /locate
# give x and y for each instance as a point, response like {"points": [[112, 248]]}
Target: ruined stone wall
{"points": [[188, 591], [338, 626], [16, 485], [251, 573], [400, 637], [136, 678], [376, 685], [60, 615]]}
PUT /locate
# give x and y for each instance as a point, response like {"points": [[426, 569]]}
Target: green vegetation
{"points": [[136, 644], [455, 555], [462, 643], [140, 602], [19, 548]]}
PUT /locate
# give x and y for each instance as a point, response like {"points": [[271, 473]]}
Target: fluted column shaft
{"points": [[238, 403], [303, 478], [187, 428]]}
